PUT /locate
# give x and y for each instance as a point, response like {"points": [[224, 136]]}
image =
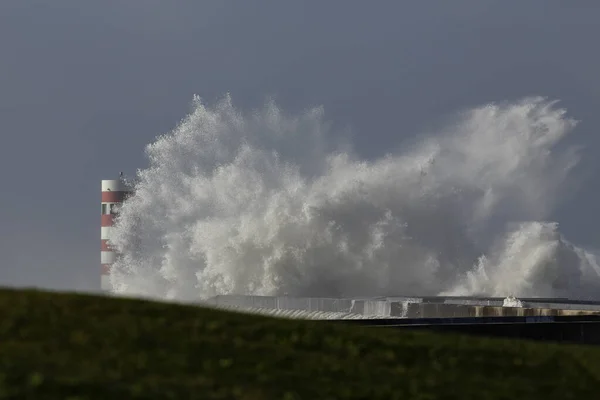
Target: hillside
{"points": [[68, 346]]}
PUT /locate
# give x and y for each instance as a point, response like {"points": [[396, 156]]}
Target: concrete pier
{"points": [[424, 310], [407, 307]]}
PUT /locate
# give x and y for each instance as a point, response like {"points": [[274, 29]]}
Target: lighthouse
{"points": [[114, 192]]}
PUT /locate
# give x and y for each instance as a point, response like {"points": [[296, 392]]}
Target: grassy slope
{"points": [[60, 346]]}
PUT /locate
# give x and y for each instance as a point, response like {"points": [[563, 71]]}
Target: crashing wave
{"points": [[265, 203]]}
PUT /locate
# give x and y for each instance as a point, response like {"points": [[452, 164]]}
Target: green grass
{"points": [[66, 346]]}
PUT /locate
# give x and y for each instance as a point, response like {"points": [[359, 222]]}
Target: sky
{"points": [[84, 86]]}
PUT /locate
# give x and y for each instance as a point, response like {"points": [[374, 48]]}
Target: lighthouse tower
{"points": [[114, 192]]}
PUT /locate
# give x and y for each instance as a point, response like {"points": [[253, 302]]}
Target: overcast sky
{"points": [[85, 85]]}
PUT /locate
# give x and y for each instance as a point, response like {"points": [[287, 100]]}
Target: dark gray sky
{"points": [[84, 86]]}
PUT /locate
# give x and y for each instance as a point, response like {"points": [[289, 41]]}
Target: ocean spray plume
{"points": [[262, 203]]}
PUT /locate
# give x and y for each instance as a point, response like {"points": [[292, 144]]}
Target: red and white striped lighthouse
{"points": [[114, 192]]}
